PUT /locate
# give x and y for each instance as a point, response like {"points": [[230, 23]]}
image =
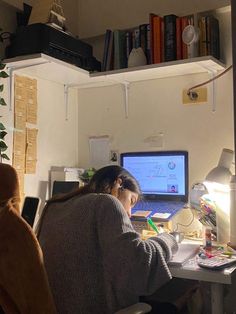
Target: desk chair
{"points": [[24, 285]]}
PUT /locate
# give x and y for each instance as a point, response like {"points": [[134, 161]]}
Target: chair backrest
{"points": [[24, 286]]}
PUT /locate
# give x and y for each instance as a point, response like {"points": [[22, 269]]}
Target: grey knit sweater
{"points": [[95, 261]]}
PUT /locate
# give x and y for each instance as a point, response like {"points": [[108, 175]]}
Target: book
{"points": [[110, 53], [184, 253], [136, 37], [157, 34], [184, 23], [128, 45], [120, 60], [213, 36], [143, 37], [169, 37], [108, 35], [203, 47], [148, 45], [178, 38]]}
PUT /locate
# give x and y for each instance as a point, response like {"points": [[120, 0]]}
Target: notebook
{"points": [[163, 179], [185, 252]]}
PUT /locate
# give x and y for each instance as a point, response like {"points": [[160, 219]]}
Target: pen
{"points": [[152, 225]]}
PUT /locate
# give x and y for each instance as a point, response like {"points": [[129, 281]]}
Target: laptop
{"points": [[163, 179]]}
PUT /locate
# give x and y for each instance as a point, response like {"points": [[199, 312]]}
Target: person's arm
{"points": [[139, 266]]}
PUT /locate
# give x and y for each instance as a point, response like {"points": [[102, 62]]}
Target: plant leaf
{"points": [[3, 146], [4, 156], [2, 127], [3, 74], [2, 134], [1, 87], [2, 102], [2, 66]]}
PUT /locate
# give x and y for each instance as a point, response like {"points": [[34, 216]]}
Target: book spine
{"points": [[136, 38], [110, 53], [178, 39], [170, 37], [148, 44], [157, 38], [143, 37], [128, 45], [151, 16], [214, 36], [184, 23], [201, 36], [119, 49], [105, 51]]}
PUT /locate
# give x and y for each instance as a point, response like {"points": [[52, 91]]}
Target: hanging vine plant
{"points": [[3, 132]]}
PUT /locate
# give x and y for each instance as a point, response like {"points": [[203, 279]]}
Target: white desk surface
{"points": [[190, 270]]}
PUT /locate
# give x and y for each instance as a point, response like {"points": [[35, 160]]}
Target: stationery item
{"points": [[216, 262], [184, 253], [152, 225], [141, 213], [208, 242]]}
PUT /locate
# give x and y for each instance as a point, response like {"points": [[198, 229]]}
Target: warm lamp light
{"points": [[218, 182]]}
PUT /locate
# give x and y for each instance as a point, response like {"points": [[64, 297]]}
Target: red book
{"points": [[157, 38], [178, 38]]}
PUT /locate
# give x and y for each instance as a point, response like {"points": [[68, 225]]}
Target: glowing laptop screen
{"points": [[162, 173]]}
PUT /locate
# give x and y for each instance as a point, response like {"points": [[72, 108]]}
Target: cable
{"points": [[209, 81], [183, 225]]}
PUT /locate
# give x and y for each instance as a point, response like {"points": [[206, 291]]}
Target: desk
{"points": [[217, 279]]}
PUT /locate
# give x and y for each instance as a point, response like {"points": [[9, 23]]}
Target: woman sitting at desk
{"points": [[95, 260]]}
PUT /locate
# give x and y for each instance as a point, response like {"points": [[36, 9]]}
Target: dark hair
{"points": [[103, 181]]}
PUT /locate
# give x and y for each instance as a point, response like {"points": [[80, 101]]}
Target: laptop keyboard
{"points": [[160, 207]]}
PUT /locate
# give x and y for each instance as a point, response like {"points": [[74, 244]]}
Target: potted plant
{"points": [[3, 132]]}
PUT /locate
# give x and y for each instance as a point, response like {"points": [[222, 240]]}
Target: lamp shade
{"points": [[221, 173]]}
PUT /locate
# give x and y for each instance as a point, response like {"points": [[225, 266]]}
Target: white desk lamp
{"points": [[219, 184], [221, 173]]}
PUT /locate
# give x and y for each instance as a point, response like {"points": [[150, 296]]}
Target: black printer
{"points": [[42, 38]]}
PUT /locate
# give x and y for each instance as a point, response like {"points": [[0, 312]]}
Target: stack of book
{"points": [[161, 40]]}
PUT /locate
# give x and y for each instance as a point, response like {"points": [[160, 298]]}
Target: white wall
{"points": [[57, 137], [156, 106], [94, 17]]}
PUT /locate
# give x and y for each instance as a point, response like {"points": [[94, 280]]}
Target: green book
{"points": [[120, 61]]}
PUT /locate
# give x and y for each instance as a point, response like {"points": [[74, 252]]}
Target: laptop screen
{"points": [[161, 174]]}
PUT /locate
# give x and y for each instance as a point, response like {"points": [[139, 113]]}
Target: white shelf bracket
{"points": [[10, 70], [212, 88], [126, 87], [66, 88]]}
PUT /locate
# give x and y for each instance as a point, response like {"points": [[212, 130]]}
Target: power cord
{"points": [[183, 225], [191, 93]]}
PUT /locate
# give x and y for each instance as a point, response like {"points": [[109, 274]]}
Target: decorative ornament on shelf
{"points": [[3, 132]]}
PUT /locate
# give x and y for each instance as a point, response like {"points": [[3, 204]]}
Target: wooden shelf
{"points": [[46, 67]]}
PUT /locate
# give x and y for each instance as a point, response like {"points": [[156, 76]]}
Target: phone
{"points": [[30, 208]]}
